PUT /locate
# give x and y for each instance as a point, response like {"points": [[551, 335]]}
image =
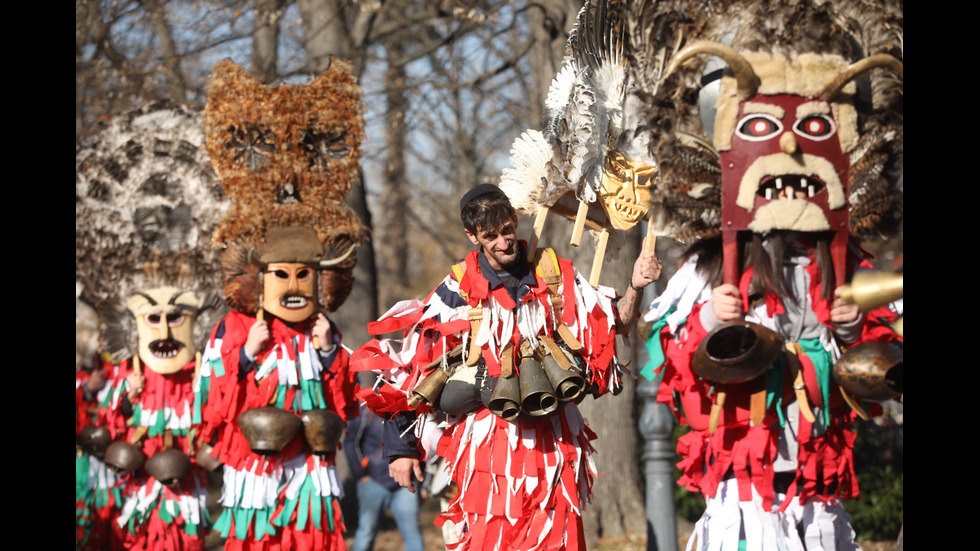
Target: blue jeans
{"points": [[373, 500]]}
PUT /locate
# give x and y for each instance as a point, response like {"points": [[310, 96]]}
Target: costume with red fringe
{"points": [[97, 490], [290, 500], [763, 479], [522, 484], [155, 516]]}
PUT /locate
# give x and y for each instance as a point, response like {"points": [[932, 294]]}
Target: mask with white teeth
{"points": [[784, 150], [165, 328], [289, 291]]}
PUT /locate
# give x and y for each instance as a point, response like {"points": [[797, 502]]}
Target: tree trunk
{"points": [[176, 88], [395, 197], [325, 36], [550, 22], [324, 32], [265, 39]]}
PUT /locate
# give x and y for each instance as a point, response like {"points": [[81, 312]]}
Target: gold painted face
{"points": [[289, 291], [165, 328], [626, 190]]}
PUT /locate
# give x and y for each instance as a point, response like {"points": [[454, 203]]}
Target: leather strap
{"points": [[799, 387]]}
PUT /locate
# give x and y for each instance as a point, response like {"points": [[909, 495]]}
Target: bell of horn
{"points": [[537, 395], [872, 371], [737, 351], [168, 466], [123, 457], [568, 384], [268, 429], [505, 402], [428, 391], [871, 289]]}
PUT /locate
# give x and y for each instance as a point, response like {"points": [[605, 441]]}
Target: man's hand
{"points": [[323, 330], [401, 470], [840, 311], [646, 269], [726, 302], [258, 335], [136, 382], [96, 381]]}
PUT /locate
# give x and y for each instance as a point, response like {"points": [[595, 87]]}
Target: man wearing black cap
{"points": [[523, 470]]}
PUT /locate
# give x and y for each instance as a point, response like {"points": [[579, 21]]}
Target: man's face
{"points": [[289, 291], [499, 245]]}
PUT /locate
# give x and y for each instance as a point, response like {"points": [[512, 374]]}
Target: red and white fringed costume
{"points": [[522, 484], [763, 481], [154, 516], [288, 501]]}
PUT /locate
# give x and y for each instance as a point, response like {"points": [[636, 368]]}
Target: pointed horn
{"points": [[832, 88], [330, 262], [747, 80]]}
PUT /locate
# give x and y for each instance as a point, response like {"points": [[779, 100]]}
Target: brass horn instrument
{"points": [[871, 289], [736, 351]]}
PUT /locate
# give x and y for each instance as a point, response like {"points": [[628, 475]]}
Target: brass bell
{"points": [[428, 391], [205, 459], [537, 396], [736, 351], [268, 429], [872, 371], [568, 384], [169, 466], [123, 457], [505, 402], [323, 430], [94, 440]]}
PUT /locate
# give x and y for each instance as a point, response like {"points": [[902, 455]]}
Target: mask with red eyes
{"points": [[289, 291], [785, 168]]}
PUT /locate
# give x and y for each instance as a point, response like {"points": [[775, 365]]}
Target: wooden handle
{"points": [[580, 217], [650, 243], [539, 219], [600, 255]]}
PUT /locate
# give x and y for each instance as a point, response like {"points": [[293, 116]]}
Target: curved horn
{"points": [[327, 263], [832, 88], [748, 81]]}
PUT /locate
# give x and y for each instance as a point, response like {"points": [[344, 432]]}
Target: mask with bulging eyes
{"points": [[289, 291], [165, 328], [785, 169]]}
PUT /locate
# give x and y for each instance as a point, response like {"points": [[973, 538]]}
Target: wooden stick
{"points": [[580, 216], [539, 219], [600, 255], [650, 243]]}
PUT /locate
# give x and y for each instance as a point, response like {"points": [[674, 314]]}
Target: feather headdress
{"points": [[146, 204], [287, 155]]}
